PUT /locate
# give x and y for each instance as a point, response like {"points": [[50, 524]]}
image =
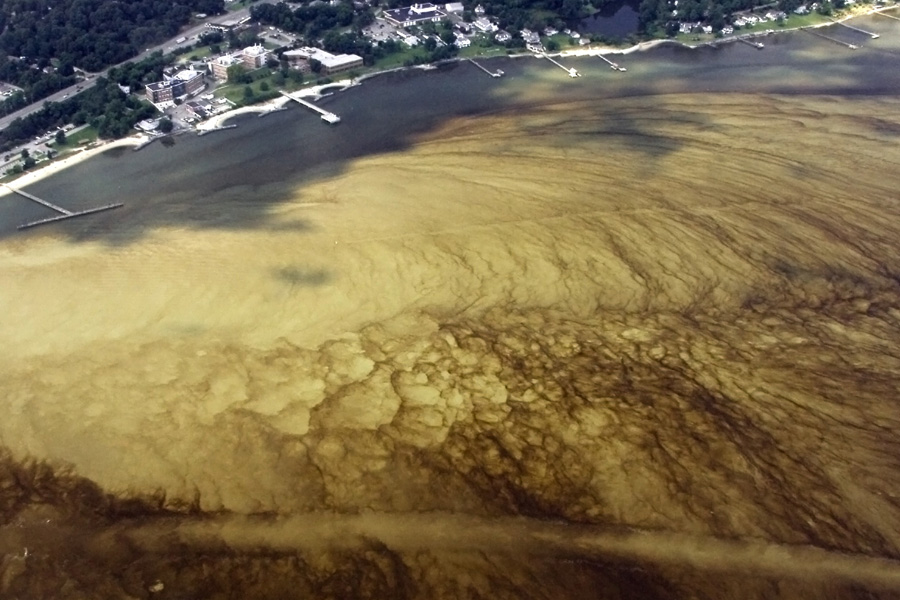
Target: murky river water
{"points": [[631, 335]]}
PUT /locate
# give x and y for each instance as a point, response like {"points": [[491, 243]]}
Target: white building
{"points": [[417, 13], [253, 57], [220, 65], [484, 24], [331, 63]]}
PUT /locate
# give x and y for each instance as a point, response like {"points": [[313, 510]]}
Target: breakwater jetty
{"points": [[757, 45], [219, 128]]}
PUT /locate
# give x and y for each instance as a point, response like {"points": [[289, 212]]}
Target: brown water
{"points": [[570, 349]]}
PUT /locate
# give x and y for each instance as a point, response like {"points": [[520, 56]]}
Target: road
{"points": [[164, 47]]}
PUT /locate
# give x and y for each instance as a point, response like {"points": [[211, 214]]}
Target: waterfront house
{"points": [[484, 24], [530, 37]]}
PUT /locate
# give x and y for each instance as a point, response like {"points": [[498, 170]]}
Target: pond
{"points": [[616, 19]]}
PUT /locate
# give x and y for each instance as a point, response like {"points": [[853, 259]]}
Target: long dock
{"points": [[34, 198], [757, 45], [63, 213], [497, 73], [874, 36], [830, 39], [612, 65], [70, 215], [572, 72], [881, 14], [328, 117]]}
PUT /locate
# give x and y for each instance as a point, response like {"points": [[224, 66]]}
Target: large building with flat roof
{"points": [[331, 63], [220, 65], [184, 83], [254, 57]]}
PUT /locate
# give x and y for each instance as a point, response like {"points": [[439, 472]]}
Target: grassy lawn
{"points": [[398, 59], [79, 138], [475, 50], [201, 52]]}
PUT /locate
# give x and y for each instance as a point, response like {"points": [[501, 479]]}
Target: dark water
{"points": [[615, 20], [265, 158]]}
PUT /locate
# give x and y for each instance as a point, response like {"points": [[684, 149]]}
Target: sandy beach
{"points": [[55, 166]]}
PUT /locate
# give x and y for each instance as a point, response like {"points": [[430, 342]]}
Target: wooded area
{"points": [[42, 42]]}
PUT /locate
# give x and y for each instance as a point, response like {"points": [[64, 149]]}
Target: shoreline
{"points": [[78, 156], [315, 92]]}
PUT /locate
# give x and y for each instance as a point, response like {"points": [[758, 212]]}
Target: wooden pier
{"points": [[328, 117], [881, 14], [497, 73], [70, 215], [572, 72], [612, 65], [63, 213], [757, 45], [874, 36], [830, 39]]}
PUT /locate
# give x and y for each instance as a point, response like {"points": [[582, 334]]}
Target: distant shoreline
{"points": [[218, 121]]}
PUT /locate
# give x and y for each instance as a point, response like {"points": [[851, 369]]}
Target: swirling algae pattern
{"points": [[644, 349]]}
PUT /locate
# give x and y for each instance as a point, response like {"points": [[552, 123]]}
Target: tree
{"points": [[60, 137], [238, 74], [248, 93], [166, 125], [264, 86], [717, 18]]}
